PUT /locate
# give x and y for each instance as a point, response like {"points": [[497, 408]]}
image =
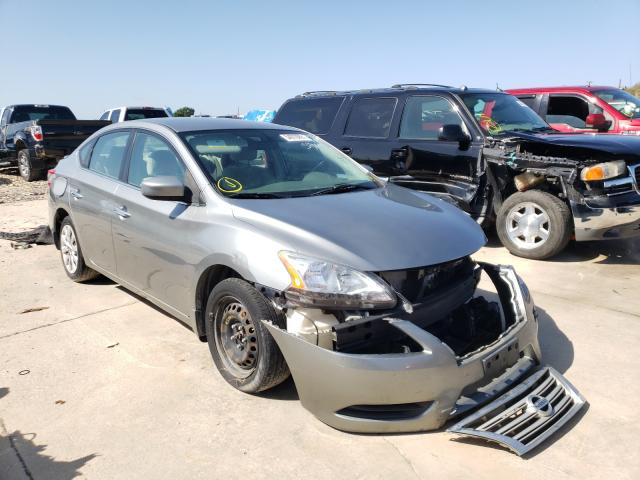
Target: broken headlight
{"points": [[322, 284], [603, 171]]}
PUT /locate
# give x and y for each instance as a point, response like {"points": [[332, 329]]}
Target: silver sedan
{"points": [[287, 256]]}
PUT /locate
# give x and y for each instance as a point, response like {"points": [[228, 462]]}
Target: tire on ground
{"points": [[270, 367], [560, 224], [82, 273], [25, 167]]}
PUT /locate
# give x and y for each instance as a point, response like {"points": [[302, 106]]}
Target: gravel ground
{"points": [[14, 189]]}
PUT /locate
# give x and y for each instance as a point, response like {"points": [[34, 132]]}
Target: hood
{"points": [[583, 146], [389, 228]]}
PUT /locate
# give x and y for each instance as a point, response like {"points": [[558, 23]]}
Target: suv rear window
{"points": [[314, 115], [371, 117], [140, 113]]}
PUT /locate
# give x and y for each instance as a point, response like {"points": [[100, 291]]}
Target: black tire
{"points": [[558, 221], [25, 167], [268, 367], [78, 272]]}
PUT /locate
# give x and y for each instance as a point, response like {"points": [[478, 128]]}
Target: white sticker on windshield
{"points": [[295, 137]]}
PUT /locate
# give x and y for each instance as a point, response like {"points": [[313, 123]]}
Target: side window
{"points": [[371, 117], [152, 157], [85, 153], [528, 100], [314, 115], [115, 116], [5, 117], [108, 154], [423, 116], [569, 110], [105, 116]]}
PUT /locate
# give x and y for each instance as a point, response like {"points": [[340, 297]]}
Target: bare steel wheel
{"points": [[534, 224], [242, 348], [528, 225], [71, 253], [236, 336]]}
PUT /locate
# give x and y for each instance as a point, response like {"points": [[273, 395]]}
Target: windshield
{"points": [[622, 101], [500, 112], [25, 113], [140, 113], [257, 163]]}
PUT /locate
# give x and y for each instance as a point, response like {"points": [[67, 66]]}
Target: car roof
{"points": [[569, 88], [395, 89], [191, 124]]}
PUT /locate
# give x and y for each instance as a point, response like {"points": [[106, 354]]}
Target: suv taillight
{"points": [[36, 132], [51, 174]]}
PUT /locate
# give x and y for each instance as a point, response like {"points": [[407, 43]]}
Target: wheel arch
{"points": [[58, 217], [207, 281]]}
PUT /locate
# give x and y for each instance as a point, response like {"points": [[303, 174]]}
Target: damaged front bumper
{"points": [[418, 390]]}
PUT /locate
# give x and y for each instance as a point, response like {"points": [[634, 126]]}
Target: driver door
{"points": [[441, 167]]}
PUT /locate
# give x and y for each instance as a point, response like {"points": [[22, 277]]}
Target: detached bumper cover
{"points": [[527, 415], [594, 223], [416, 391]]}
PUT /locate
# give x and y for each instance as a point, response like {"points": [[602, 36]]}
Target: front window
{"points": [[622, 101], [497, 113], [424, 116], [274, 163]]}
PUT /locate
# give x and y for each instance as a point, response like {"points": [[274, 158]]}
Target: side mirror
{"points": [[454, 133], [163, 188], [597, 121]]}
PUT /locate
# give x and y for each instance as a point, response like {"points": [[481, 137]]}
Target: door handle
{"points": [[75, 193], [347, 150], [121, 212]]}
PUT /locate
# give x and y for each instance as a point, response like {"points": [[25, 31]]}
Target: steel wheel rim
{"points": [[69, 249], [236, 337], [528, 225], [23, 165]]}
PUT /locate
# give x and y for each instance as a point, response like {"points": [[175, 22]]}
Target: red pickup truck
{"points": [[584, 109]]}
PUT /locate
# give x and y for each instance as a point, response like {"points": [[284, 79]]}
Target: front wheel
{"points": [[242, 348], [534, 224], [25, 168]]}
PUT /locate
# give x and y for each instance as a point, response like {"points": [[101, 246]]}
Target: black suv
{"points": [[488, 153]]}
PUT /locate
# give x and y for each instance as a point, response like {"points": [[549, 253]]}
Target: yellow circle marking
{"points": [[229, 185]]}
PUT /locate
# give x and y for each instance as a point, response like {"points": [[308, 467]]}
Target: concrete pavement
{"points": [[97, 383]]}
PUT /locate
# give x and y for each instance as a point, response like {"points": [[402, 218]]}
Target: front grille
{"points": [[528, 414]]}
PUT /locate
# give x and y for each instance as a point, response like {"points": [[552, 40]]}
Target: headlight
{"points": [[322, 284], [603, 171]]}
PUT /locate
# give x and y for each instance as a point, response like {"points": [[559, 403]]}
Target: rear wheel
{"points": [[71, 254], [534, 224], [242, 348], [24, 167]]}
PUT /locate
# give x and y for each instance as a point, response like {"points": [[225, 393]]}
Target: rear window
{"points": [[25, 113], [140, 113], [371, 117], [314, 115]]}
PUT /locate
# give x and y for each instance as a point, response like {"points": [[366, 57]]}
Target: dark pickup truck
{"points": [[35, 137]]}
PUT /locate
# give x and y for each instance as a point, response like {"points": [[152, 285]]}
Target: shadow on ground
{"points": [[557, 349], [28, 457], [613, 252]]}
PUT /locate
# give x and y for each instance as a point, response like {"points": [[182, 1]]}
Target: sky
{"points": [[221, 56]]}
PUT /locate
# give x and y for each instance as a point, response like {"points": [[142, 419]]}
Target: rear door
{"points": [[92, 193], [365, 135], [152, 237]]}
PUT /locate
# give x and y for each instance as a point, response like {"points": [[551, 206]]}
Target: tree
{"points": [[184, 112], [634, 89]]}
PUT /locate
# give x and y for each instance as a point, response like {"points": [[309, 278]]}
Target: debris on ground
{"points": [[114, 345], [60, 402], [32, 309], [13, 188], [40, 235]]}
